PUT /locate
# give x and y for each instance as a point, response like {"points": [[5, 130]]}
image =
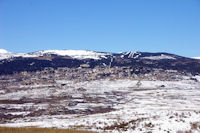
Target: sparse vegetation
{"points": [[38, 130], [195, 125], [124, 125]]}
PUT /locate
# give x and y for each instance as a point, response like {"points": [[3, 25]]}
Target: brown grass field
{"points": [[38, 130]]}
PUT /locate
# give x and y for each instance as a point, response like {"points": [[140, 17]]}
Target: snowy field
{"points": [[106, 106]]}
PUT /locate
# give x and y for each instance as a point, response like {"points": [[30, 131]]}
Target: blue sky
{"points": [[102, 25]]}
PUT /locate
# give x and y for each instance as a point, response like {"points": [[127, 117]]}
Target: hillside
{"points": [[98, 91], [137, 61]]}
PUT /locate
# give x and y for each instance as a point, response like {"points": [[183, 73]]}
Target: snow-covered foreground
{"points": [[108, 105]]}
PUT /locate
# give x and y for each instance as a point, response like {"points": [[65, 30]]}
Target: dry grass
{"points": [[38, 130]]}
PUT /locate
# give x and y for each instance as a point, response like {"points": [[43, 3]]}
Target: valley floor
{"points": [[122, 105]]}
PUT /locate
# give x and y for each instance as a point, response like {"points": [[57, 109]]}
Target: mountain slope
{"points": [[138, 62]]}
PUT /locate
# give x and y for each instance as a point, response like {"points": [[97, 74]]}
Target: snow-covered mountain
{"points": [[144, 61], [85, 54], [78, 54]]}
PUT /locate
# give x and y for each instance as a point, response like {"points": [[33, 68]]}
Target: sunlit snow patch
{"points": [[196, 58], [159, 57]]}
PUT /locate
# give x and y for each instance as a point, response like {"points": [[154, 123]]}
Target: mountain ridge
{"points": [[144, 61], [4, 54]]}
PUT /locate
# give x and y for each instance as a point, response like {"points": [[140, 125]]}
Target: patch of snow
{"points": [[196, 57], [3, 51], [161, 57], [18, 113], [131, 54], [197, 77], [2, 91]]}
